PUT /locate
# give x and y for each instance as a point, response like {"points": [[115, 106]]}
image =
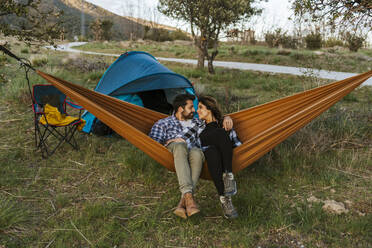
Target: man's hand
{"points": [[227, 123], [174, 140]]}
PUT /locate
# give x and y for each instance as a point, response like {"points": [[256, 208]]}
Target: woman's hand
{"points": [[174, 140], [227, 123]]}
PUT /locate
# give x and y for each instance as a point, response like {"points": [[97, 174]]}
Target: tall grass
{"points": [[110, 193]]}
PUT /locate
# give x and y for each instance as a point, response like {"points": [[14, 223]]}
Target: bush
{"points": [[288, 41], [272, 38], [278, 37], [38, 60], [332, 42], [3, 79], [232, 50], [158, 34], [24, 50], [297, 56], [84, 65], [82, 38], [3, 59], [179, 35], [313, 41], [354, 42]]}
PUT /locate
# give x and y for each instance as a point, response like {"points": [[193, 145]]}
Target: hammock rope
{"points": [[260, 128]]}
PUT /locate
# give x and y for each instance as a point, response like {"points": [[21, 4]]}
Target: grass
{"points": [[327, 58], [110, 193]]}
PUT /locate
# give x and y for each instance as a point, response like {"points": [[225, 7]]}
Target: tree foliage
{"points": [[29, 21], [207, 19], [101, 29], [353, 41], [356, 13]]}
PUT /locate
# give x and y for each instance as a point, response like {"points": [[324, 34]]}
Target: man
{"points": [[179, 133]]}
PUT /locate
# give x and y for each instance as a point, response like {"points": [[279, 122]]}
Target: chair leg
{"points": [[42, 138]]}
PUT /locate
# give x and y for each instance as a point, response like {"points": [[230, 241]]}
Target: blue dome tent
{"points": [[138, 78]]}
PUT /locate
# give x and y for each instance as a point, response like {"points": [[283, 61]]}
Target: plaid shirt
{"points": [[171, 128]]}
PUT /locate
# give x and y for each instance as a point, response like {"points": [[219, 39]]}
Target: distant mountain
{"points": [[123, 27]]}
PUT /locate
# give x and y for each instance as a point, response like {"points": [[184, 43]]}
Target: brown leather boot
{"points": [[181, 208], [191, 207]]}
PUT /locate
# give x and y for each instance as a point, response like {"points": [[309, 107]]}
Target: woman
{"points": [[217, 145]]}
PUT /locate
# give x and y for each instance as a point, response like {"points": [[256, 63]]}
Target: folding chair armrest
{"points": [[74, 105]]}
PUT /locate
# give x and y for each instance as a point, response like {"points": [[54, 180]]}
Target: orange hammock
{"points": [[260, 128]]}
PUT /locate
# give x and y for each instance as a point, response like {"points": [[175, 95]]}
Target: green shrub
{"points": [[3, 59], [82, 38], [354, 42], [95, 76], [232, 50], [158, 34], [332, 42], [288, 41], [297, 56], [250, 52], [24, 50], [272, 38], [350, 98], [179, 35], [3, 79], [38, 60], [313, 40], [278, 37]]}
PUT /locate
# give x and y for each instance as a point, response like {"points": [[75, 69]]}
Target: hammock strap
{"points": [[24, 63]]}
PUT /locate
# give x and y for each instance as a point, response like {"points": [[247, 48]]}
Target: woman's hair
{"points": [[212, 105]]}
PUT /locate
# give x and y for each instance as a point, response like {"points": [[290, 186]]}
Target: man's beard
{"points": [[189, 116]]}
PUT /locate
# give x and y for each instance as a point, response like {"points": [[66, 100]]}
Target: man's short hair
{"points": [[181, 100]]}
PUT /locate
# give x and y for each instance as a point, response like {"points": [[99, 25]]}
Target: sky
{"points": [[275, 14]]}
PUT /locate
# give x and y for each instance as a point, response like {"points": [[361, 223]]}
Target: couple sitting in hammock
{"points": [[193, 140]]}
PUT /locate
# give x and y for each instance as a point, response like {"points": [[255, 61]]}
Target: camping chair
{"points": [[49, 134]]}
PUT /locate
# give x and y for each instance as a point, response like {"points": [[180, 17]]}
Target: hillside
{"points": [[122, 29]]}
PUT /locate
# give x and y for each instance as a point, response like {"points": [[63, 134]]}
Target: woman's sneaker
{"points": [[229, 212], [229, 184]]}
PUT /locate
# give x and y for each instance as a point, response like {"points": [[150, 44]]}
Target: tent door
{"points": [[156, 100]]}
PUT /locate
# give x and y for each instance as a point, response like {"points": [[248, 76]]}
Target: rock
{"points": [[334, 207], [319, 53], [333, 191], [348, 203], [313, 199], [360, 213]]}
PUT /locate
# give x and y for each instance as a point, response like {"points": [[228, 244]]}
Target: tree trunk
{"points": [[201, 58], [210, 65], [212, 56]]}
